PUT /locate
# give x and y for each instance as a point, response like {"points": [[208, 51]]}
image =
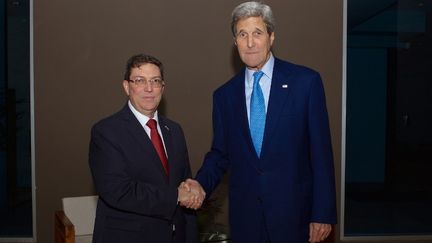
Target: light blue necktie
{"points": [[257, 113]]}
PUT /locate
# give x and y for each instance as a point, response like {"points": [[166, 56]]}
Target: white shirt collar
{"points": [[267, 69], [143, 119]]}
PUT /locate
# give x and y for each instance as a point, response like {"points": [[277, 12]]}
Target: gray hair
{"points": [[253, 9]]}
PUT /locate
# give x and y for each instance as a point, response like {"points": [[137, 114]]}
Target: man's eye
{"points": [[242, 35]]}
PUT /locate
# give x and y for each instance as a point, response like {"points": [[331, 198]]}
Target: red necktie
{"points": [[157, 143]]}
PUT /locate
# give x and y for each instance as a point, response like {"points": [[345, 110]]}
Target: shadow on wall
{"points": [[236, 62], [211, 230]]}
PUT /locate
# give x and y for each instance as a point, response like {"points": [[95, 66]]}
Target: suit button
{"points": [[260, 172], [259, 199]]}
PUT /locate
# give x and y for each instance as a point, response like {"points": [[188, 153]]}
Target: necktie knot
{"points": [[257, 76], [151, 123]]}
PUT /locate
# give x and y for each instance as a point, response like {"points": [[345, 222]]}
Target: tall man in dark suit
{"points": [[138, 159], [271, 131]]}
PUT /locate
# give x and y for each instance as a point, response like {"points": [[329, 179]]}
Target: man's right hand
{"points": [[191, 194]]}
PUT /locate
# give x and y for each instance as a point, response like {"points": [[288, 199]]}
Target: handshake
{"points": [[191, 194]]}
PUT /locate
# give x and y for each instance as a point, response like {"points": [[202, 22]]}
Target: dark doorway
{"points": [[15, 133], [388, 187]]}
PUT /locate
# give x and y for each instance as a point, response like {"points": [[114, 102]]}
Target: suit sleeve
{"points": [[216, 160], [118, 189], [324, 195]]}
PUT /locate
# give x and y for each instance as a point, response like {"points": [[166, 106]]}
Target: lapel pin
{"points": [[284, 86]]}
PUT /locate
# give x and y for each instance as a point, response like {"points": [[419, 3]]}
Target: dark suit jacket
{"points": [[292, 184], [137, 202]]}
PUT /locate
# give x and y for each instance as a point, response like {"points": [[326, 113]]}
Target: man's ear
{"points": [[272, 37], [126, 87]]}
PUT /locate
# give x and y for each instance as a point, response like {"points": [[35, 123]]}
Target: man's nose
{"points": [[250, 41], [148, 87]]}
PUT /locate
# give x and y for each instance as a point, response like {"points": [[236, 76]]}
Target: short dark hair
{"points": [[140, 59]]}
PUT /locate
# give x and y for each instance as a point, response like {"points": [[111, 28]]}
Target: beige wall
{"points": [[80, 51]]}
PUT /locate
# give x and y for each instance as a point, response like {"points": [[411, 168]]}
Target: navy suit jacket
{"points": [[292, 183], [137, 201]]}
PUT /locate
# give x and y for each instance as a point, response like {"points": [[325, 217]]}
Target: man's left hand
{"points": [[318, 232]]}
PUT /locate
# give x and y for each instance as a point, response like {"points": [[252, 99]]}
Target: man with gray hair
{"points": [[271, 131]]}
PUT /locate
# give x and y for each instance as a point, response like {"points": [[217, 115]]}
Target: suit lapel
{"points": [[138, 133], [169, 144], [239, 101], [279, 91]]}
